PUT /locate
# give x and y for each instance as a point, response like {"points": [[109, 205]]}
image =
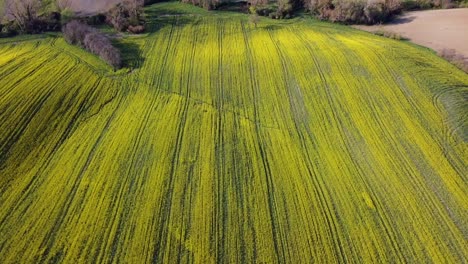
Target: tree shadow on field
{"points": [[131, 54], [157, 20], [402, 20]]}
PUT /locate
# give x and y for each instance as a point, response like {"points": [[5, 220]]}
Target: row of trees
{"points": [[207, 4], [354, 11], [262, 7], [345, 11], [36, 16], [33, 16], [85, 36], [24, 13], [282, 9]]}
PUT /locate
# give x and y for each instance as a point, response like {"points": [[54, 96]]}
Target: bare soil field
{"points": [[436, 29], [81, 6], [92, 6]]}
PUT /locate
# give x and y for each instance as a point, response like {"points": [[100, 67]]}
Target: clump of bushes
{"points": [[127, 16], [207, 4], [8, 30], [453, 57], [30, 17], [284, 9], [355, 11], [136, 29], [277, 10], [87, 37], [428, 4], [95, 20], [45, 23]]}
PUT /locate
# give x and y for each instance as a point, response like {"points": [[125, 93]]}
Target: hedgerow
{"points": [[354, 11], [91, 39]]}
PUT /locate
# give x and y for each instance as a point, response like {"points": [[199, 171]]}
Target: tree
{"points": [[207, 4], [22, 12], [111, 55], [257, 2], [125, 14], [75, 32], [134, 8], [91, 39], [285, 7]]}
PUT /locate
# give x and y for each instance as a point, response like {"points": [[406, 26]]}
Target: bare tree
{"points": [[207, 4], [22, 12], [111, 55], [85, 36], [75, 32], [125, 14], [63, 5], [134, 7]]}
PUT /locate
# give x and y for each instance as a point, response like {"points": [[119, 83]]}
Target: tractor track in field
{"points": [[219, 233], [162, 235], [325, 200], [22, 63], [31, 72], [32, 185], [279, 251], [14, 136], [50, 238], [442, 106], [390, 233]]}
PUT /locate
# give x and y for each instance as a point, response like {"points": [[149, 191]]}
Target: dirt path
{"points": [[436, 29]]}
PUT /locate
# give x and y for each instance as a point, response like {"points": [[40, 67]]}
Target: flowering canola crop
{"points": [[289, 142]]}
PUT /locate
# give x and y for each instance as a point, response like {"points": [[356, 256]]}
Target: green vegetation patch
{"points": [[221, 142], [2, 7]]}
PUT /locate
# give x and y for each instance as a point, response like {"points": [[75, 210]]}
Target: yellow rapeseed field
{"points": [[293, 142]]}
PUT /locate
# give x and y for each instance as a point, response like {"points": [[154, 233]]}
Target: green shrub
{"points": [[8, 30], [125, 14]]}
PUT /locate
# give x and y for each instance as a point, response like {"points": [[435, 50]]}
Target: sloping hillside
{"points": [[294, 141]]}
